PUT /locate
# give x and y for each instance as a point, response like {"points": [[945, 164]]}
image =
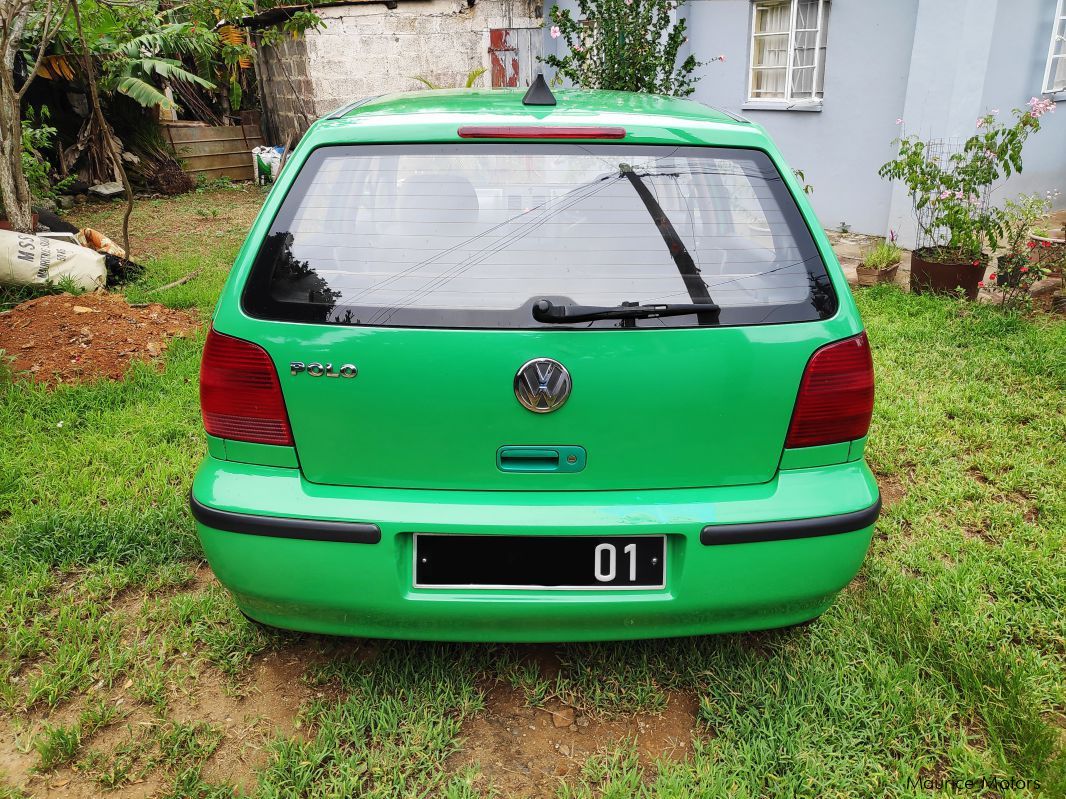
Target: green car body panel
{"points": [[672, 431]]}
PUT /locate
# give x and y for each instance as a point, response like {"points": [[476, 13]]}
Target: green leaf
{"points": [[143, 93]]}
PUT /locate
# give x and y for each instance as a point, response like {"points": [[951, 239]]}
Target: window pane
{"points": [[823, 36], [772, 17], [1057, 80], [806, 47], [771, 51], [803, 83], [807, 14], [768, 83], [470, 235]]}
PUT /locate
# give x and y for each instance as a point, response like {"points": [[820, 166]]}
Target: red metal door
{"points": [[503, 57]]}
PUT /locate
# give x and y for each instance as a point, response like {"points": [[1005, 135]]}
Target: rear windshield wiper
{"points": [[549, 313]]}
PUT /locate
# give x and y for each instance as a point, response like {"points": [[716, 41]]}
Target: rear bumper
{"points": [[338, 560]]}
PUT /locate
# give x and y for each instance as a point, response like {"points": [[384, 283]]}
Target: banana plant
{"points": [[130, 67]]}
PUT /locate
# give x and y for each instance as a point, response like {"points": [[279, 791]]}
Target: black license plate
{"points": [[538, 561]]}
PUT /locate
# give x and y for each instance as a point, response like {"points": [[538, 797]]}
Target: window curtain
{"points": [[770, 61]]}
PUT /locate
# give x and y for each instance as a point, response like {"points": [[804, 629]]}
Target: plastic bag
{"points": [[266, 163], [26, 260]]}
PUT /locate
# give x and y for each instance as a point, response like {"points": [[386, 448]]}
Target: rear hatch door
{"points": [[418, 265]]}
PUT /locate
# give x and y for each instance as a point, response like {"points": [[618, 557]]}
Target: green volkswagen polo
{"points": [[494, 367]]}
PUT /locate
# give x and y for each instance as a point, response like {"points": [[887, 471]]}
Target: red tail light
{"points": [[836, 396], [240, 396], [538, 132]]}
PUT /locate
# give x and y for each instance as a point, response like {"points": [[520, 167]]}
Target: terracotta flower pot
{"points": [[935, 277], [869, 276]]}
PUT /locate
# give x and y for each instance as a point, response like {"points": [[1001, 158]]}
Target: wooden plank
{"points": [[212, 133], [210, 161], [216, 151], [215, 147], [232, 172]]}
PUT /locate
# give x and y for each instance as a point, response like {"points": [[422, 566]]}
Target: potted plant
{"points": [[957, 225], [1039, 234], [880, 264], [1043, 232]]}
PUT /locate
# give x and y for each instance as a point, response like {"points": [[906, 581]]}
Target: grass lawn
{"points": [[125, 667]]}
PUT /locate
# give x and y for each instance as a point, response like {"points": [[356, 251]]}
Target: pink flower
{"points": [[981, 122], [976, 263], [959, 195], [1038, 107], [555, 32], [981, 283], [992, 276], [899, 120], [1030, 244], [721, 58], [578, 48], [945, 194], [1024, 269]]}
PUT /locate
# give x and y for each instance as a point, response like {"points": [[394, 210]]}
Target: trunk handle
{"points": [[563, 459]]}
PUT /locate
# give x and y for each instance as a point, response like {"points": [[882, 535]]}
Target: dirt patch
{"points": [[62, 338], [892, 490], [267, 706], [18, 759], [526, 752]]}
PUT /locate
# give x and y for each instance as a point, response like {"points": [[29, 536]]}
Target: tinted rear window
{"points": [[471, 235]]}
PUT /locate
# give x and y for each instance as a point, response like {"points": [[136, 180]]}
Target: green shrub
{"points": [[624, 46]]}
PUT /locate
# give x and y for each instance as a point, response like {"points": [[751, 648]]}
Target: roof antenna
{"points": [[539, 93]]}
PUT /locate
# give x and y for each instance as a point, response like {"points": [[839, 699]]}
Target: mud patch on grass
{"points": [[521, 751]]}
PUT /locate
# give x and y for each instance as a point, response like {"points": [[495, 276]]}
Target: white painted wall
{"points": [[938, 64]]}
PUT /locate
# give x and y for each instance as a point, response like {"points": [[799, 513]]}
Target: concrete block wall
{"points": [[285, 87], [368, 49]]}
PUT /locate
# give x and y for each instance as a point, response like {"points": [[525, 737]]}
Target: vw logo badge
{"points": [[542, 385]]}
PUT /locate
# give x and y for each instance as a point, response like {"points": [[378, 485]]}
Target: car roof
{"points": [[570, 103], [437, 115]]}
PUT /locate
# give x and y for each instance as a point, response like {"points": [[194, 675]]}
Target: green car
{"points": [[494, 367]]}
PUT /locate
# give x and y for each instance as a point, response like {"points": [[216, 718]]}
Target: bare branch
{"points": [[109, 139]]}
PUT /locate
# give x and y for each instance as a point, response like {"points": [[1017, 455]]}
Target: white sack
{"points": [[26, 260]]}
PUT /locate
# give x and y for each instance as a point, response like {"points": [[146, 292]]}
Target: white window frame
{"points": [[821, 40], [1052, 57]]}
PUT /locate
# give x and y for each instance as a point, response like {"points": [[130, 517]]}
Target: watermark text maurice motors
{"points": [[974, 784]]}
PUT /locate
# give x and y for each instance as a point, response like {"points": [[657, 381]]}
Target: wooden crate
{"points": [[215, 151]]}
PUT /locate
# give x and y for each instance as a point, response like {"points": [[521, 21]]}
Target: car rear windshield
{"points": [[471, 235]]}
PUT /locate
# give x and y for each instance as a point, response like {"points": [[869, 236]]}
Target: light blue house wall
{"points": [[938, 64]]}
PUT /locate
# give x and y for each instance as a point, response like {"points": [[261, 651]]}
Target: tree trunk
{"points": [[14, 190]]}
